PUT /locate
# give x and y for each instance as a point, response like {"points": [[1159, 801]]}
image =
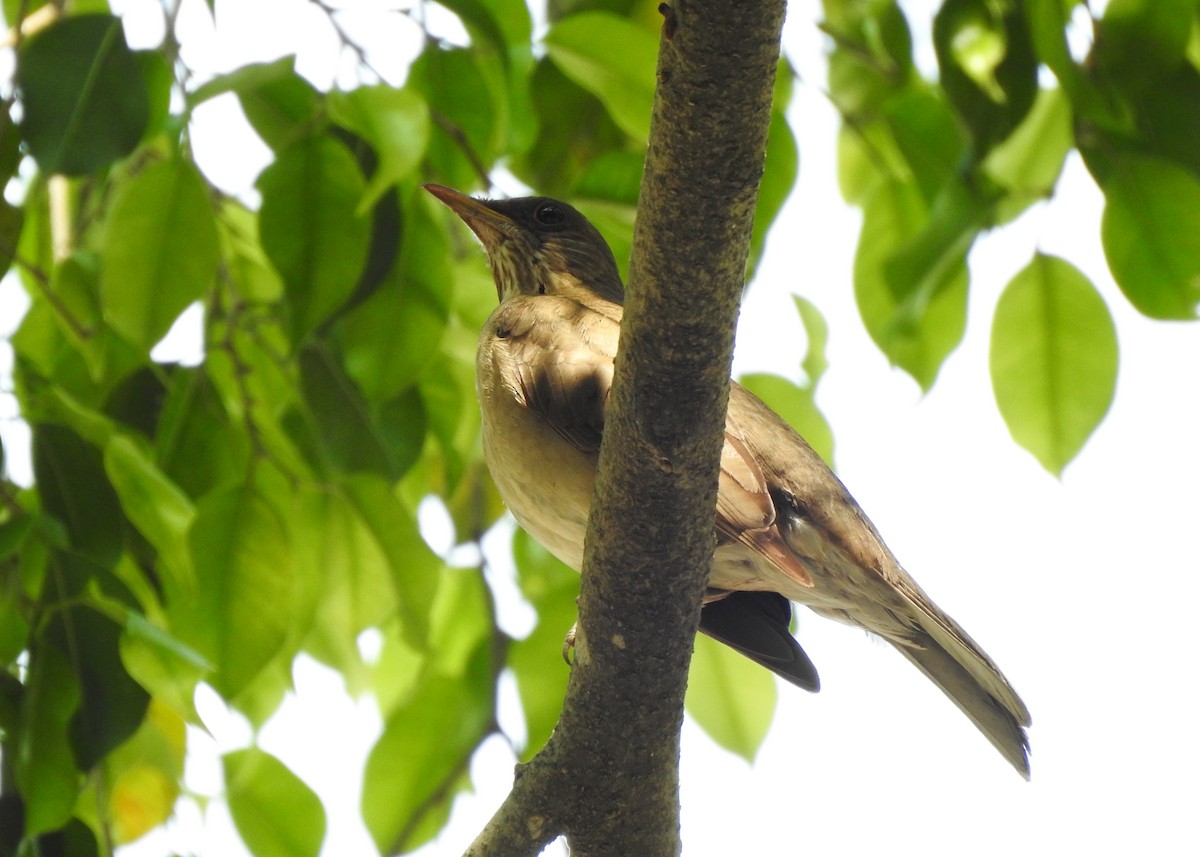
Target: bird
{"points": [[787, 529]]}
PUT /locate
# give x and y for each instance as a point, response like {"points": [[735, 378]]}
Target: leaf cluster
{"points": [[935, 164], [208, 520]]}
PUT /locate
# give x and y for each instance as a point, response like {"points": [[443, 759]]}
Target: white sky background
{"points": [[1082, 590]]}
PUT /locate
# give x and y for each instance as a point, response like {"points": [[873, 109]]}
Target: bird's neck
{"points": [[603, 298]]}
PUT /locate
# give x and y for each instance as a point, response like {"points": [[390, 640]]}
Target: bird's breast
{"points": [[545, 481]]}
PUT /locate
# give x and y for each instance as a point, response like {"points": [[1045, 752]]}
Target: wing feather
{"points": [[561, 357]]}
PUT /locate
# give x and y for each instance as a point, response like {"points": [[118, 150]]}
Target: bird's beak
{"points": [[489, 226]]}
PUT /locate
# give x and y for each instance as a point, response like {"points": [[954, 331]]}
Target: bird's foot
{"points": [[569, 644]]}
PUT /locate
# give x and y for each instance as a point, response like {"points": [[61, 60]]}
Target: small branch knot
{"points": [[670, 21]]}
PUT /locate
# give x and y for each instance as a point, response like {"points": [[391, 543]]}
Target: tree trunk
{"points": [[609, 776]]}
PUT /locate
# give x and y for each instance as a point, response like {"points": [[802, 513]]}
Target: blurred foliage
{"points": [[207, 523]]}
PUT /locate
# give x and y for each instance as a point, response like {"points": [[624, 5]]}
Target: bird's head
{"points": [[538, 246]]}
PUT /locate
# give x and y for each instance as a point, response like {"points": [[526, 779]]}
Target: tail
{"points": [[976, 686], [755, 624]]}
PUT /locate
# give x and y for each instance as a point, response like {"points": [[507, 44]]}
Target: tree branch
{"points": [[608, 777]]}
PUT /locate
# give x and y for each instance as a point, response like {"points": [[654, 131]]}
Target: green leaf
{"points": [[796, 405], [987, 66], [12, 218], [916, 138], [323, 562], [874, 54], [352, 436], [461, 624], [614, 59], [135, 402], [84, 97], [276, 813], [160, 250], [45, 769], [860, 164], [14, 624], [196, 444], [1168, 123], [917, 336], [551, 588], [469, 132], [778, 178], [91, 425], [142, 777], [310, 229], [358, 594], [730, 697], [475, 504], [239, 612], [414, 568], [1151, 235], [75, 282], [573, 132], [74, 489], [930, 260], [394, 675], [1028, 163], [402, 423], [928, 138], [249, 270], [612, 176], [262, 697], [1047, 30], [44, 354], [163, 665], [395, 122], [280, 104], [389, 339], [1139, 42], [254, 379], [156, 506], [420, 760], [445, 392], [816, 329], [160, 80], [1053, 359], [113, 704], [75, 839], [10, 143], [15, 529], [503, 22], [460, 621], [12, 692], [521, 124]]}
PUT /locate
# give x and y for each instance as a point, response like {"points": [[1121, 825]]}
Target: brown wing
{"points": [[561, 356], [875, 584], [745, 509]]}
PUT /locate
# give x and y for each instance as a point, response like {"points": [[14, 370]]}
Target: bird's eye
{"points": [[549, 214]]}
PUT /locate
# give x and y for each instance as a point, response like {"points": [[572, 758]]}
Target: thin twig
{"points": [[455, 132], [42, 280], [884, 65], [8, 499], [452, 129], [241, 371]]}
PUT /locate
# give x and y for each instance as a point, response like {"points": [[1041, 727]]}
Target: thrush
{"points": [[787, 529]]}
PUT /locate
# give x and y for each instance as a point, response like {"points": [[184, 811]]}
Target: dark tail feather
{"points": [[755, 624], [1002, 725]]}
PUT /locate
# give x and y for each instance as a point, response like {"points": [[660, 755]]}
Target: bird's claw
{"points": [[569, 645]]}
